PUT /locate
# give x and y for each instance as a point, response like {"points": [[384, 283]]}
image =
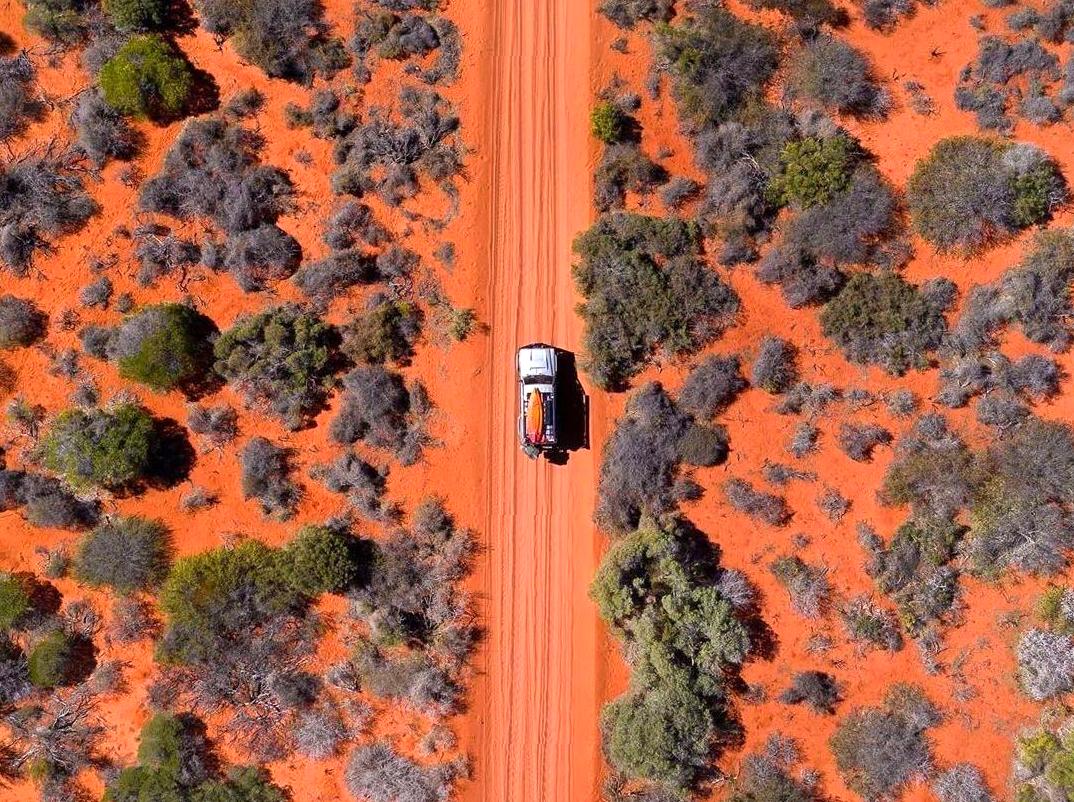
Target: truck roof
{"points": [[536, 360]]}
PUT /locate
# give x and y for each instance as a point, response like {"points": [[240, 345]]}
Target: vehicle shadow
{"points": [[572, 409]]}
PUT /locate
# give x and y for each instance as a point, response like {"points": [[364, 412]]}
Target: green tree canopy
{"points": [[110, 448], [147, 78]]}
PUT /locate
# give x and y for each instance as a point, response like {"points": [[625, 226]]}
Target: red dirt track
{"points": [[536, 699]]}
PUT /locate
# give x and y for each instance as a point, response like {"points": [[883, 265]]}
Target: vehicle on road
{"points": [[538, 365]]}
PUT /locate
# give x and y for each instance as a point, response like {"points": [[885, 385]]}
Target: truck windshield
{"points": [[538, 380]]}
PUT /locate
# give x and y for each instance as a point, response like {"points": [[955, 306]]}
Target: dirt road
{"points": [[538, 698]]}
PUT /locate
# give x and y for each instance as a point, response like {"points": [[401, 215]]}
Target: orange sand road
{"points": [[535, 703]]}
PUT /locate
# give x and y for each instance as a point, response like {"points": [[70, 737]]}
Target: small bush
{"points": [[385, 332], [642, 457], [766, 775], [879, 750], [220, 424], [283, 358], [817, 689], [320, 560], [1045, 664], [266, 471], [624, 168], [857, 441], [39, 197], [1043, 764], [661, 735], [126, 554], [147, 78], [962, 782], [327, 278], [216, 597], [19, 104], [775, 369], [21, 322], [110, 448], [607, 122], [380, 774], [103, 133], [807, 585], [868, 623], [835, 74], [381, 410], [137, 15], [16, 603], [165, 347], [971, 191], [1032, 294], [880, 318], [628, 13], [719, 64], [813, 170], [712, 386], [766, 507], [53, 660], [285, 38]]}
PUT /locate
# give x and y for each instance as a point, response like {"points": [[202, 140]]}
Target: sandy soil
{"points": [[537, 698]]}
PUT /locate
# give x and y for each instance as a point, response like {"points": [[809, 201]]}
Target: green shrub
{"points": [[646, 288], [211, 597], [52, 660], [719, 64], [319, 560], [284, 358], [164, 347], [58, 21], [812, 170], [137, 15], [15, 601], [125, 554], [682, 637], [161, 742], [607, 122], [384, 333], [147, 78], [880, 318], [662, 735], [101, 447], [970, 191], [174, 766], [1036, 751], [1034, 195]]}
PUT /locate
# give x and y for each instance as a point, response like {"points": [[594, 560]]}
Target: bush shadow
{"points": [[173, 455]]}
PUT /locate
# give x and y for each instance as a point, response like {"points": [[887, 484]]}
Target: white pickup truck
{"points": [[537, 431]]}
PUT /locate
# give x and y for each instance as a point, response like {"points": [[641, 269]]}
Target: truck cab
{"points": [[537, 365]]}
